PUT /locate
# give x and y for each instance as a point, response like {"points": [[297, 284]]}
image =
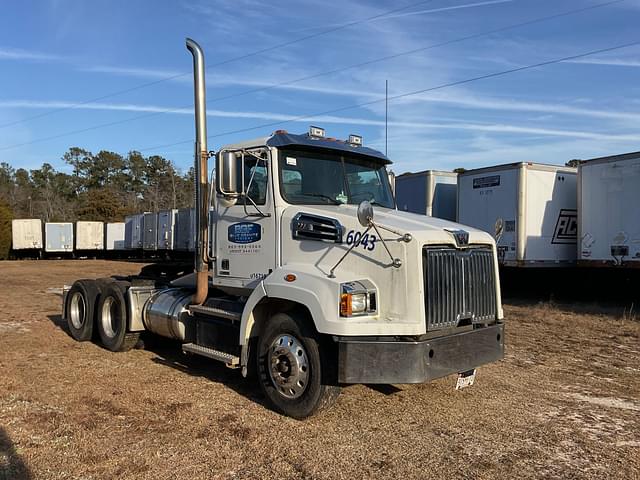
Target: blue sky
{"points": [[56, 53]]}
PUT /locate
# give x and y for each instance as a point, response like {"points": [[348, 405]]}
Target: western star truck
{"points": [[307, 274]]}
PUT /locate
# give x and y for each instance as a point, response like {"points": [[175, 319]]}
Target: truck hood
{"points": [[425, 229]]}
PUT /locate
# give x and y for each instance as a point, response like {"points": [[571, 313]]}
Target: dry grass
{"points": [[563, 403]]}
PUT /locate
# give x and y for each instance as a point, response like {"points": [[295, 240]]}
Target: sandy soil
{"points": [[564, 403]]}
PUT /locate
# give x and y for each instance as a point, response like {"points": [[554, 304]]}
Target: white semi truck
{"points": [[303, 282]]}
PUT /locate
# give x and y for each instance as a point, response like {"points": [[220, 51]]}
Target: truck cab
{"points": [[313, 277]]}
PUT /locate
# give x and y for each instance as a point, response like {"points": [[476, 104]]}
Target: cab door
{"points": [[245, 246]]}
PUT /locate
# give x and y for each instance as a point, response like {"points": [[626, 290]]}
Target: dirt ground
{"points": [[564, 403]]}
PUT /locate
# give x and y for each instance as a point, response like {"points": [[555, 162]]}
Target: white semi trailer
{"points": [[26, 236], [431, 192], [530, 208], [304, 282], [608, 217]]}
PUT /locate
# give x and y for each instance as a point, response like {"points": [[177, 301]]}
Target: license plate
{"points": [[466, 379]]}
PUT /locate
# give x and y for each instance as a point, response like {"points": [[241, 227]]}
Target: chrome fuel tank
{"points": [[166, 314]]}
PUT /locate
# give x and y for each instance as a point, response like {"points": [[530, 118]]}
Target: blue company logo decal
{"points": [[245, 232]]}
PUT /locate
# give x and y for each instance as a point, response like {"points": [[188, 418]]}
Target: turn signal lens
{"points": [[290, 277], [345, 305], [351, 303]]}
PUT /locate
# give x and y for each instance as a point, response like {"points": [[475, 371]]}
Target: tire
{"points": [[80, 309], [290, 368], [112, 321]]}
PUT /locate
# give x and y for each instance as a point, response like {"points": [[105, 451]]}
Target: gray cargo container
{"points": [[431, 192], [167, 229], [529, 208], [133, 231], [115, 236], [150, 234], [89, 235], [58, 237], [185, 230], [608, 206], [26, 234]]}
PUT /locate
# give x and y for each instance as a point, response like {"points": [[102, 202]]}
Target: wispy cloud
{"points": [[611, 62], [414, 13], [498, 128], [131, 72], [8, 53], [458, 99]]}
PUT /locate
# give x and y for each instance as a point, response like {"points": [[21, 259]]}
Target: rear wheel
{"points": [[290, 368], [112, 318], [80, 308]]}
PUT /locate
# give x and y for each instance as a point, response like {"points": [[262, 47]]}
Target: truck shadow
{"points": [[60, 323], [12, 467], [169, 354]]}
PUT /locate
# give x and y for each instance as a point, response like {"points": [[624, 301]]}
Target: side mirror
{"points": [[365, 213], [227, 173]]}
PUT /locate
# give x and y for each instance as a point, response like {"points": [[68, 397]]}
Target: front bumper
{"points": [[374, 361]]}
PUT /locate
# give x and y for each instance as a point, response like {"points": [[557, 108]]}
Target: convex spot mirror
{"points": [[365, 213]]}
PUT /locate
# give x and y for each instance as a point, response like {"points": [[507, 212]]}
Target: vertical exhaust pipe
{"points": [[201, 169]]}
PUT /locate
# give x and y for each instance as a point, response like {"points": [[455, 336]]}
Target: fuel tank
{"points": [[166, 314]]}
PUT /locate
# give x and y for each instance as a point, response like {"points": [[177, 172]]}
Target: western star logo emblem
{"points": [[461, 236]]}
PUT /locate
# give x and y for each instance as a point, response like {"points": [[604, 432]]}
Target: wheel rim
{"points": [[77, 310], [110, 317], [288, 366]]}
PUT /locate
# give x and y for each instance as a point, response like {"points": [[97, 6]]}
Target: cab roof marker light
{"points": [[355, 140], [316, 132]]}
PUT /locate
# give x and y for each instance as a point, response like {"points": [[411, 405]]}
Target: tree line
{"points": [[105, 186]]}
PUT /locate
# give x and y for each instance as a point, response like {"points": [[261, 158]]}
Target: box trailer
{"points": [[150, 234], [58, 237], [529, 208], [608, 206], [185, 230], [167, 229], [26, 234], [431, 192], [115, 236], [89, 235], [133, 231]]}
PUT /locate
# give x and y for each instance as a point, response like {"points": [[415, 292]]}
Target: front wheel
{"points": [[290, 368]]}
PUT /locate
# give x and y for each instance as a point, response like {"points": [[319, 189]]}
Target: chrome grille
{"points": [[459, 286]]}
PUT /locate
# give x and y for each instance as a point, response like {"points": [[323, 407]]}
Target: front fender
{"points": [[318, 293]]}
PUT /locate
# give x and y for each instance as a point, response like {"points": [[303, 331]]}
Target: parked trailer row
{"points": [[31, 237], [529, 208], [170, 230], [167, 230], [540, 215]]}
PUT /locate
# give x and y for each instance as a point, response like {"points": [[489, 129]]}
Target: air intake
{"points": [[306, 226]]}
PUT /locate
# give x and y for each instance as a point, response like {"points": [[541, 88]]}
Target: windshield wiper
{"points": [[322, 195]]}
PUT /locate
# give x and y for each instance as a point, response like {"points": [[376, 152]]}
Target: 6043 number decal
{"points": [[366, 241]]}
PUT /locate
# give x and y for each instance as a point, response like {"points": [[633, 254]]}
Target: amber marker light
{"points": [[290, 277], [345, 305]]}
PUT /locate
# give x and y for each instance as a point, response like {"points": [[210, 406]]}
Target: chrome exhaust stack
{"points": [[201, 169]]}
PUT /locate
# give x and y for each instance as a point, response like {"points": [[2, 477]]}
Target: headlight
{"points": [[358, 298]]}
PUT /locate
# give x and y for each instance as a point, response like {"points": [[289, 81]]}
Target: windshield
{"points": [[333, 178]]}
